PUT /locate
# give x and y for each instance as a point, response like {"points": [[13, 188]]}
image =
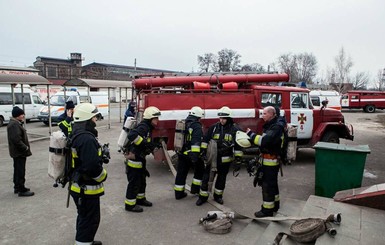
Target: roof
{"points": [[97, 83], [32, 79], [14, 68], [127, 67]]}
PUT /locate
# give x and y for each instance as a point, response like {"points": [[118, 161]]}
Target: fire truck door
{"points": [[301, 115], [345, 100]]}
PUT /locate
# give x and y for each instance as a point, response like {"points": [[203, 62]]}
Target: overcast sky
{"points": [[170, 34]]}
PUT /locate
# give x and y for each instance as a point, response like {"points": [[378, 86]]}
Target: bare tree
{"points": [[228, 60], [255, 67], [360, 80], [300, 67], [379, 83], [207, 62], [343, 65]]}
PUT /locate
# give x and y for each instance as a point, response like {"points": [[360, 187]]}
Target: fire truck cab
{"points": [[246, 95]]}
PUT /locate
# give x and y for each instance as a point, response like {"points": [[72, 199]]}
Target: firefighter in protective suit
{"points": [[270, 143], [141, 145], [89, 174], [228, 152], [191, 155]]}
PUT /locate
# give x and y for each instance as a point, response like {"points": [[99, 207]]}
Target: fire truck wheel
{"points": [[331, 137], [370, 108]]}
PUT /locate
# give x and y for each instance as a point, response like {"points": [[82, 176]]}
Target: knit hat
{"points": [[70, 105], [17, 111]]}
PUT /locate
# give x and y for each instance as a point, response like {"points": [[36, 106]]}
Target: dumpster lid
{"points": [[342, 147]]}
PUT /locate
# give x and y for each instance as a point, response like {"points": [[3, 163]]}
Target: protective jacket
{"points": [[141, 141], [271, 140], [89, 173], [65, 124], [193, 139], [17, 139]]}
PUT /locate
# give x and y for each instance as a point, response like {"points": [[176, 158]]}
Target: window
{"points": [[299, 100], [5, 99], [271, 99], [36, 99], [315, 101], [85, 99], [19, 100], [51, 72]]}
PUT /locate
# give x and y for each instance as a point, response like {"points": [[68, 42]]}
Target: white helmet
{"points": [[151, 112], [224, 112], [84, 112], [242, 139], [197, 111]]}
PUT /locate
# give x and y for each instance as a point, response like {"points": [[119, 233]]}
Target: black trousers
{"points": [[184, 165], [269, 187], [87, 222], [136, 178], [19, 173], [220, 184]]}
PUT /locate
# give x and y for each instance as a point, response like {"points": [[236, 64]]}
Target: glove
{"points": [[147, 173]]}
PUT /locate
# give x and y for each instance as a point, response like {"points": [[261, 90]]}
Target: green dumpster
{"points": [[338, 167]]}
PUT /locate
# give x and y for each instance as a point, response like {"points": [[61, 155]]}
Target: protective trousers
{"points": [[270, 191], [87, 222], [19, 173], [136, 187], [222, 171], [184, 165]]}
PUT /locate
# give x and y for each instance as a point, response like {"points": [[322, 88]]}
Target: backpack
{"points": [[57, 154]]}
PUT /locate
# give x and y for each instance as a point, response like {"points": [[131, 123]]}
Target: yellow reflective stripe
{"points": [[226, 159], [89, 189], [100, 152], [228, 137], [204, 145], [186, 152], [216, 136], [196, 182], [268, 205], [258, 140], [270, 162], [140, 196], [204, 193], [195, 148], [134, 164], [179, 187], [74, 156], [276, 198], [282, 140], [130, 202], [218, 192], [138, 140], [102, 176], [238, 153]]}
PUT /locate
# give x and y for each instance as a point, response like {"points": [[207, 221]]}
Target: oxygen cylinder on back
{"points": [[129, 124], [179, 135], [56, 163]]}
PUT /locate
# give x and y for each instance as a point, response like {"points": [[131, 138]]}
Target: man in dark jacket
{"points": [[270, 143], [88, 175], [65, 119], [191, 155], [130, 112], [141, 145], [228, 152], [19, 150]]}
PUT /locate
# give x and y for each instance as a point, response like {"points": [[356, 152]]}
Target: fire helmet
{"points": [[242, 139], [197, 111], [151, 112], [84, 112], [224, 112]]}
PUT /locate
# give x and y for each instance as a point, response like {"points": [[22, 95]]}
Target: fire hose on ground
{"points": [[302, 230]]}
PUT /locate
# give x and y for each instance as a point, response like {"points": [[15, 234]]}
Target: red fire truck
{"points": [[246, 95], [369, 101]]}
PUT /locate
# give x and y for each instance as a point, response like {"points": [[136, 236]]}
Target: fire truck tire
{"points": [[331, 137], [370, 108]]}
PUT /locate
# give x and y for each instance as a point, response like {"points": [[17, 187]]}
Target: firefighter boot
{"points": [[134, 208], [218, 198], [200, 201], [276, 206], [144, 202], [261, 214], [97, 243], [180, 194]]}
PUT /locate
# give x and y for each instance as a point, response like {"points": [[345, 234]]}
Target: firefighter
{"points": [[269, 143], [88, 176], [65, 119], [190, 155], [141, 145], [228, 152]]}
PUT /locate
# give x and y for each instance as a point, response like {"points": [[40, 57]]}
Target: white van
{"points": [[32, 103], [333, 98], [57, 102]]}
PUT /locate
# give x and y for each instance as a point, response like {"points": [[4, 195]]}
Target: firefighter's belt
{"points": [[60, 151]]}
